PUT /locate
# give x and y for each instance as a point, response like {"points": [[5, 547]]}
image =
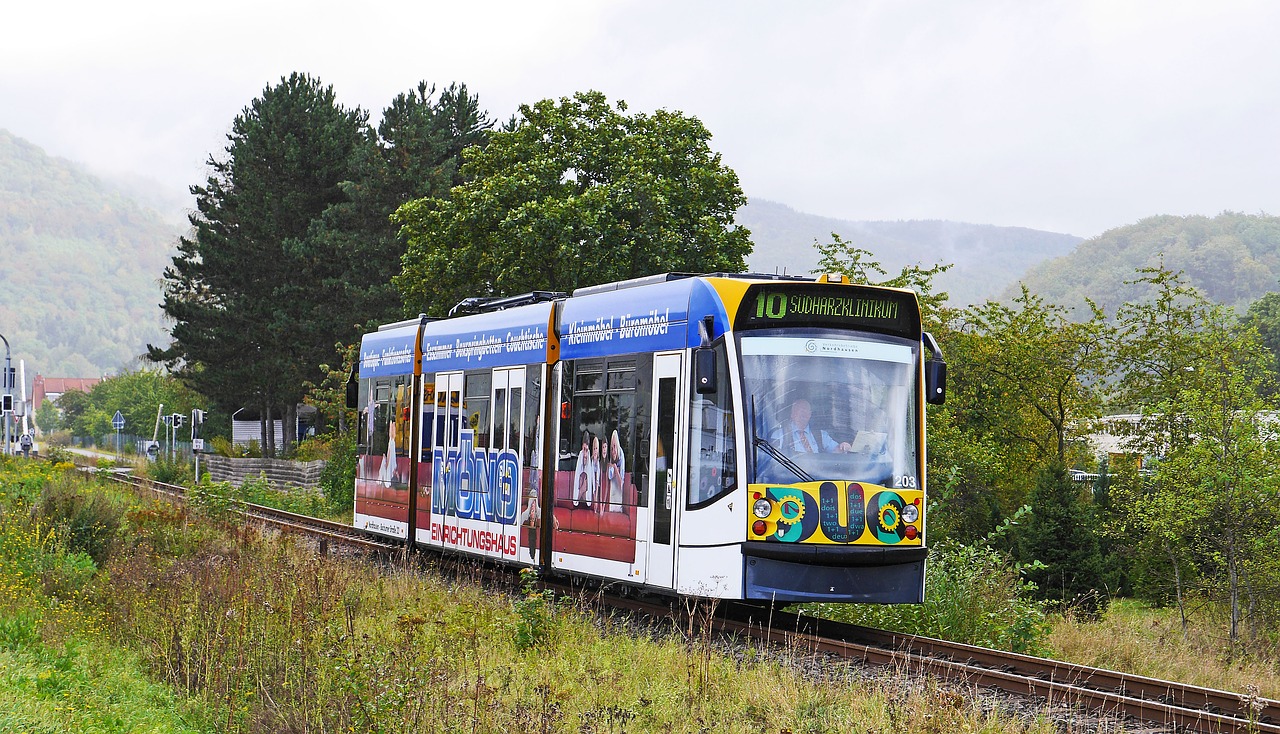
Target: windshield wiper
{"points": [[781, 458]]}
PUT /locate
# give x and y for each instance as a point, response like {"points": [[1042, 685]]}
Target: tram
{"points": [[724, 436]]}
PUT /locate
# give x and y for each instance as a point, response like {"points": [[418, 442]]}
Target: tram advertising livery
{"points": [[727, 436]]}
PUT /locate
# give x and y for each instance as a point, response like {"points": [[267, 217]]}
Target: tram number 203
{"points": [[905, 481]]}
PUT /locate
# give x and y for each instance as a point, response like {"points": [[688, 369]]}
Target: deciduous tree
{"points": [[575, 192]]}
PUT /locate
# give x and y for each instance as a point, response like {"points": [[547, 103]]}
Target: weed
{"points": [[19, 630], [534, 611]]}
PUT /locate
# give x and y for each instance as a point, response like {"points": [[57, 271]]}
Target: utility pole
{"points": [[8, 397]]}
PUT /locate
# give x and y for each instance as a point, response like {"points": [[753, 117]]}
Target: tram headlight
{"points": [[762, 508], [910, 513]]}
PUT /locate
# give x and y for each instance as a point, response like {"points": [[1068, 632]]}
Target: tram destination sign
{"points": [[807, 304]]}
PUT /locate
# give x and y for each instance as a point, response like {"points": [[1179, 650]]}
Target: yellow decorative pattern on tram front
{"points": [[835, 513]]}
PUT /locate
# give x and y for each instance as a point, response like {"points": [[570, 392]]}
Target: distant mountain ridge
{"points": [[1233, 258], [986, 258], [81, 262], [80, 266]]}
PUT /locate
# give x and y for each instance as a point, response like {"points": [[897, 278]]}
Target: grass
{"points": [[1134, 637], [199, 625], [277, 639], [58, 671]]}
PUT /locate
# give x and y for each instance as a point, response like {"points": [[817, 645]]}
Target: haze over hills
{"points": [[985, 258], [80, 265], [81, 260]]}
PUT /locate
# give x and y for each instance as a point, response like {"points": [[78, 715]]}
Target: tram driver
{"points": [[796, 436]]}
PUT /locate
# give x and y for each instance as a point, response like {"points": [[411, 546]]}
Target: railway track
{"points": [[1160, 703], [326, 532], [1165, 705]]}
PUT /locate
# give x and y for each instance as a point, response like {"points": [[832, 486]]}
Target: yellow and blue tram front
{"points": [[832, 394]]}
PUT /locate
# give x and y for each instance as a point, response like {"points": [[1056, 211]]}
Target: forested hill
{"points": [[1233, 258], [80, 265], [986, 258]]}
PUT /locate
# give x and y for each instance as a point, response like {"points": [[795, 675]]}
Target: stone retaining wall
{"points": [[280, 474]]}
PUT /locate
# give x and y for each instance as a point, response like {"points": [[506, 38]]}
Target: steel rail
{"points": [[282, 520], [1166, 703]]}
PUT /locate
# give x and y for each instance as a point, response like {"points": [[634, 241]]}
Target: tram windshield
{"points": [[831, 408]]}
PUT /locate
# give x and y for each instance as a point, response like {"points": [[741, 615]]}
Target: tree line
{"points": [[315, 226], [1180, 511]]}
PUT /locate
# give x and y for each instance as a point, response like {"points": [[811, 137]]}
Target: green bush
{"points": [[19, 630], [974, 594], [171, 471], [315, 448], [57, 454], [338, 480], [222, 446], [87, 519]]}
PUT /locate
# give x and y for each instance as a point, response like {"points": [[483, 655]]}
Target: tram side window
{"points": [[475, 406], [364, 427], [532, 418], [712, 458], [604, 424]]}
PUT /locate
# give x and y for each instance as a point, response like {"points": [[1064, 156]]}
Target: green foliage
{"points": [[1025, 384], [216, 500], [842, 256], [222, 446], [576, 192], [329, 397], [338, 480], [47, 418], [137, 394], [1203, 385], [973, 594], [19, 630], [1264, 317], [417, 153], [534, 611], [171, 471], [87, 520], [251, 314], [1060, 536]]}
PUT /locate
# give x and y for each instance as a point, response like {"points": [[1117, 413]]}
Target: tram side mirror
{"points": [[935, 382], [353, 390], [704, 371]]}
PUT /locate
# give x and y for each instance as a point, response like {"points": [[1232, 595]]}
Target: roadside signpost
{"points": [[197, 443], [117, 422]]}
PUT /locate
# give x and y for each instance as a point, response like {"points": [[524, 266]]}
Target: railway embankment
{"points": [[255, 632]]}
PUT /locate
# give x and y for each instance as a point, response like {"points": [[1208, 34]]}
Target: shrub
{"points": [[88, 520], [171, 471], [338, 480], [18, 630], [222, 446], [315, 448], [57, 454], [973, 594]]}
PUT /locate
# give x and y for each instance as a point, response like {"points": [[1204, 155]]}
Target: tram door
{"points": [[508, 425], [448, 424], [665, 455]]}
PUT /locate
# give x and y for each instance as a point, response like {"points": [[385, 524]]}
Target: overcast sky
{"points": [[1066, 116]]}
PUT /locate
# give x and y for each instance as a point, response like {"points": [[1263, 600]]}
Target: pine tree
{"points": [[1060, 535], [241, 291]]}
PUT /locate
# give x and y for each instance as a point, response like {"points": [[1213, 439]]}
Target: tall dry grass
{"points": [[275, 638], [1135, 638]]}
